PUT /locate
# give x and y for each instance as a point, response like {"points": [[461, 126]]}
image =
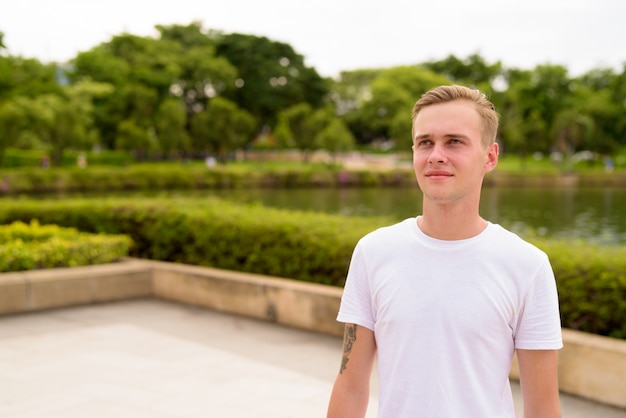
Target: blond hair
{"points": [[486, 110]]}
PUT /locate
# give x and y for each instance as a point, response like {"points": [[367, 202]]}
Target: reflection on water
{"points": [[593, 214]]}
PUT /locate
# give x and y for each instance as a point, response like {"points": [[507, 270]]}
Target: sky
{"points": [[343, 35]]}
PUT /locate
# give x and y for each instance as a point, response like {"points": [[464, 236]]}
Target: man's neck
{"points": [[450, 222]]}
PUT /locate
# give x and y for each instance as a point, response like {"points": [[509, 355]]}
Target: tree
{"points": [[102, 65], [14, 122], [272, 76], [141, 71], [135, 138], [536, 97], [203, 75], [62, 123], [352, 89], [599, 95], [145, 72], [221, 128], [301, 126], [152, 63], [171, 120], [231, 127], [393, 92], [472, 71], [571, 130], [335, 137], [26, 77]]}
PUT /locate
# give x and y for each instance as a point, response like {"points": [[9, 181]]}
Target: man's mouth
{"points": [[438, 174]]}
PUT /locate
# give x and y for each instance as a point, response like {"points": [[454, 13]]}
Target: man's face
{"points": [[449, 157]]}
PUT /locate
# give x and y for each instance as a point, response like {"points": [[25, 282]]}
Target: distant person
{"points": [[81, 160], [442, 301]]}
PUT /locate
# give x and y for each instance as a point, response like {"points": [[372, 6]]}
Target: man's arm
{"points": [[351, 391], [539, 382]]}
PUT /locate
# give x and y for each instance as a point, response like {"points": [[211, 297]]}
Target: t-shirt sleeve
{"points": [[539, 323], [356, 301]]}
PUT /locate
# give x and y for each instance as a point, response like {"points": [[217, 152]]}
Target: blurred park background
{"points": [[227, 150], [192, 93]]}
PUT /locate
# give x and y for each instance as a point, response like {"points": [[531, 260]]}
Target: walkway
{"points": [[156, 359]]}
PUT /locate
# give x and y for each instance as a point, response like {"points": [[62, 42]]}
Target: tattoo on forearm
{"points": [[349, 338]]}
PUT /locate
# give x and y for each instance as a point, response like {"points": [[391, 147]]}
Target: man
{"points": [[442, 301]]}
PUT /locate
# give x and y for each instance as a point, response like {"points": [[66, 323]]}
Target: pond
{"points": [[593, 214]]}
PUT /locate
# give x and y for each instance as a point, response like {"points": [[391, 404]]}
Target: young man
{"points": [[443, 300]]}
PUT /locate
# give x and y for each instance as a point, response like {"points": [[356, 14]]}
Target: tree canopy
{"points": [[191, 92]]}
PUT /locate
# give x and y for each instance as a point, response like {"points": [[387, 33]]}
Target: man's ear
{"points": [[493, 151]]}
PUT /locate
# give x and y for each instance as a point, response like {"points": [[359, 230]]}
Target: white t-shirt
{"points": [[448, 315]]}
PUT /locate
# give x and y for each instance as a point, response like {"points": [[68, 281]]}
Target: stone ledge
{"points": [[590, 366], [288, 302], [54, 288]]}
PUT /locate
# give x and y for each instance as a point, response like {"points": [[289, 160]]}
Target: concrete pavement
{"points": [[150, 358]]}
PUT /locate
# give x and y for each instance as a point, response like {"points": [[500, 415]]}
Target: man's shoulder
{"points": [[506, 240], [401, 227], [387, 235]]}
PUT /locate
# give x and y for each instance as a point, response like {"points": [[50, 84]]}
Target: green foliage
{"points": [[26, 77], [117, 175], [385, 110], [222, 127], [336, 137], [272, 76], [308, 246], [592, 286], [153, 95], [28, 159], [34, 246], [212, 232], [189, 176], [171, 120], [472, 71], [298, 126], [135, 138]]}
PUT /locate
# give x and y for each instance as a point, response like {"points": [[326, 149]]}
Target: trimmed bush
{"points": [[213, 232], [591, 281], [33, 246], [190, 176]]}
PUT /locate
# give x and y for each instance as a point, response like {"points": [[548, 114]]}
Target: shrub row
{"points": [[33, 246], [591, 281], [309, 246], [36, 158], [190, 176], [212, 232], [155, 176]]}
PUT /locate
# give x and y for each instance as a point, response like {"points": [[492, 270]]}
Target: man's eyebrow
{"points": [[427, 136]]}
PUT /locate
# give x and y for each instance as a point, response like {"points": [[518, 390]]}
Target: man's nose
{"points": [[437, 155]]}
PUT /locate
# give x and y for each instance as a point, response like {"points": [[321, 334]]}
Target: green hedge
{"points": [[34, 158], [161, 176], [592, 286], [190, 176], [33, 246], [212, 232], [308, 246]]}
